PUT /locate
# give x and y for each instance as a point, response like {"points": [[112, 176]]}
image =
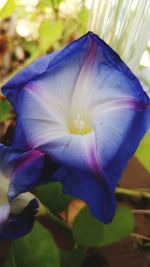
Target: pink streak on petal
{"points": [[31, 86], [133, 103], [91, 153], [120, 103], [93, 159], [94, 164], [90, 56], [27, 160]]}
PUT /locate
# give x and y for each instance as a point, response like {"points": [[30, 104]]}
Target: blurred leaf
{"points": [[5, 110], [73, 258], [83, 19], [143, 151], [49, 33], [43, 4], [89, 232], [52, 196], [50, 2], [35, 249], [30, 47], [7, 9], [56, 3]]}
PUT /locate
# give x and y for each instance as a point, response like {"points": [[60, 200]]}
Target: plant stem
{"points": [[55, 9], [57, 220], [141, 211], [132, 192], [138, 236]]}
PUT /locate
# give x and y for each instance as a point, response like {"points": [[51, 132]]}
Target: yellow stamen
{"points": [[79, 124]]}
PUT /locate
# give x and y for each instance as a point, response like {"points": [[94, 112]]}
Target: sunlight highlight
{"points": [[2, 3]]}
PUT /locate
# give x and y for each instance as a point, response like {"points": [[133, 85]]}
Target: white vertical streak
{"points": [[124, 25]]}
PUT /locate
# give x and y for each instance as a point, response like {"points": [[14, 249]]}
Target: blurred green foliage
{"points": [[47, 35], [52, 23], [89, 232], [39, 248], [52, 196], [73, 258], [35, 249], [5, 110], [100, 234], [143, 152], [7, 9]]}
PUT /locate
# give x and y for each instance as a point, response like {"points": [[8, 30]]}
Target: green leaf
{"points": [[143, 151], [31, 47], [89, 232], [83, 19], [52, 196], [49, 33], [5, 110], [7, 9], [35, 249], [56, 3], [73, 258]]}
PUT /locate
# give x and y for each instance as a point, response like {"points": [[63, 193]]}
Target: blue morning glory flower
{"points": [[85, 109]]}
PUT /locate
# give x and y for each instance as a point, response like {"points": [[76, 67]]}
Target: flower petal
{"points": [[12, 88], [19, 172], [94, 190], [45, 65], [118, 134], [24, 170], [13, 226]]}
